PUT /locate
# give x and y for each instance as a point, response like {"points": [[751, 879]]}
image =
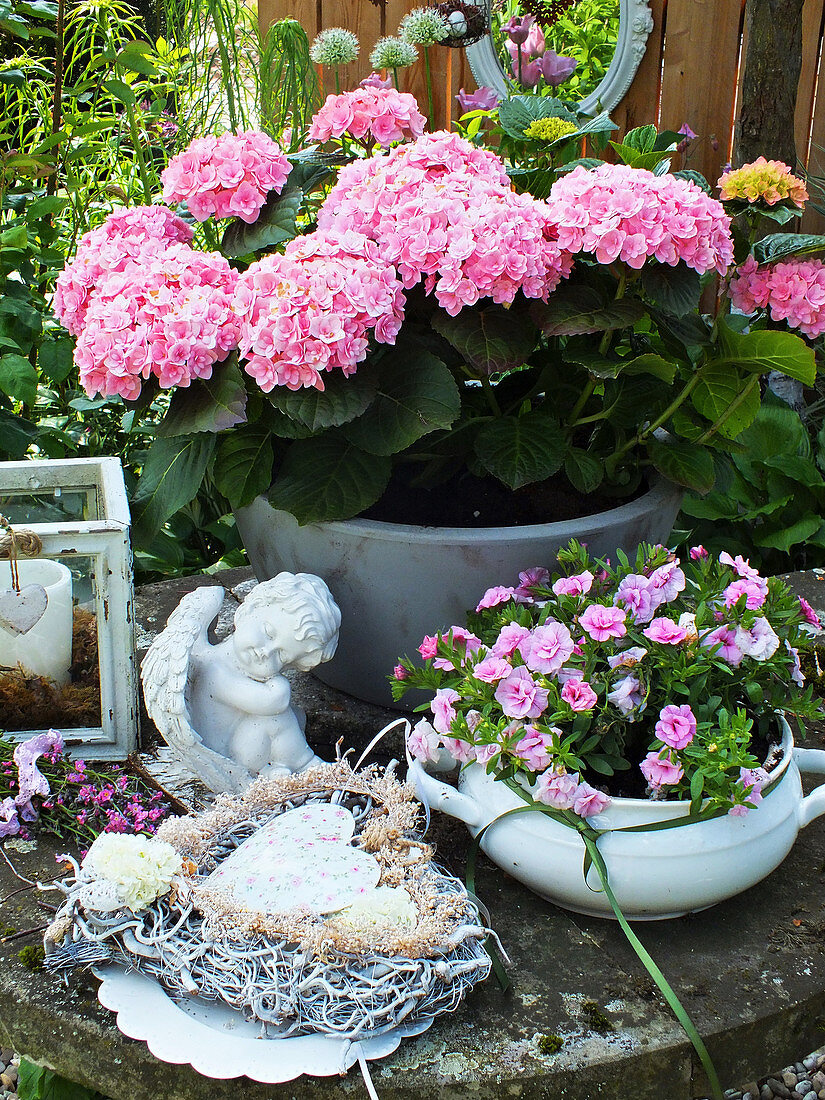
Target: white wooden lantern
{"points": [[78, 510]]}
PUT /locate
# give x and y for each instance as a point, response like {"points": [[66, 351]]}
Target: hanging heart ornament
{"points": [[20, 611]]}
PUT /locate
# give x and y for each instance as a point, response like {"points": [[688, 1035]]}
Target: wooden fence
{"points": [[691, 72]]}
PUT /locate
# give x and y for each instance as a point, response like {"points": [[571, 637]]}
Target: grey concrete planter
{"points": [[395, 582]]}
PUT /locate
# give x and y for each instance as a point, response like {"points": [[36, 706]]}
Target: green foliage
{"points": [[39, 1083]]}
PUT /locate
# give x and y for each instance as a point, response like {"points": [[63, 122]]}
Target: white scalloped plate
{"points": [[217, 1042]]}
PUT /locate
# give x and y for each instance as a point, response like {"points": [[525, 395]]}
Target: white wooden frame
{"points": [[106, 542], [635, 25]]}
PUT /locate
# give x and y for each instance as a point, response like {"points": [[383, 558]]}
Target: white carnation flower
{"points": [[385, 906], [139, 868]]}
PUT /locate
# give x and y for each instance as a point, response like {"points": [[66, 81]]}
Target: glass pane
{"points": [[49, 671], [49, 505]]}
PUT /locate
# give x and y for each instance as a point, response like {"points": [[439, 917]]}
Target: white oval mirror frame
{"points": [[635, 25]]}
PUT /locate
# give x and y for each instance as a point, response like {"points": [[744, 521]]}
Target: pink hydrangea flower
{"points": [[491, 669], [792, 290], [520, 696], [579, 695], [577, 585], [615, 212], [374, 115], [768, 181], [123, 237], [665, 631], [676, 726], [168, 313], [227, 176], [547, 648], [661, 770], [602, 622], [423, 742], [533, 749], [557, 789], [314, 308], [510, 638], [588, 801], [442, 211], [443, 710]]}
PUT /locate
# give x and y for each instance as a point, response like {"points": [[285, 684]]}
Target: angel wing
{"points": [[164, 673]]}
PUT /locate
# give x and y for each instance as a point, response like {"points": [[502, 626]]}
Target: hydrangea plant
{"points": [[655, 677], [411, 305]]}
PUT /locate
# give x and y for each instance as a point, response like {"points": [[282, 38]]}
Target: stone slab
{"points": [[751, 973]]}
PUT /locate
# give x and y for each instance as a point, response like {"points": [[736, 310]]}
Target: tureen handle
{"points": [[811, 761], [441, 796]]}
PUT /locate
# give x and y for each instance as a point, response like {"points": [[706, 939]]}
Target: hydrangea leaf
{"points": [[417, 394], [684, 463], [517, 112], [762, 350], [584, 471], [723, 395], [573, 310], [277, 221], [328, 478], [243, 464], [520, 450], [211, 405], [779, 246], [675, 289], [342, 399], [171, 477], [18, 378], [491, 340]]}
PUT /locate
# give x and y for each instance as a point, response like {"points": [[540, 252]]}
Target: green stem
{"points": [[582, 400], [139, 157], [489, 393], [604, 346], [687, 389], [216, 12], [337, 81], [395, 78]]}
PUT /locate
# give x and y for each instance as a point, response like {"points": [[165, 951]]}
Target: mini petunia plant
{"points": [[655, 678]]}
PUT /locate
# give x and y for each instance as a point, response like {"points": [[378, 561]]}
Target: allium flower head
{"points": [[423, 27], [334, 46], [618, 212], [393, 53], [768, 181], [549, 129]]}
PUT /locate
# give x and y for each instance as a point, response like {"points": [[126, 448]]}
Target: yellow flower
{"points": [[768, 181], [549, 129]]}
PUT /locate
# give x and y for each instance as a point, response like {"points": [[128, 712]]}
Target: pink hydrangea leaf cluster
{"points": [[227, 176], [616, 212], [768, 181], [314, 308], [792, 290], [443, 212], [382, 114], [167, 314], [122, 238]]}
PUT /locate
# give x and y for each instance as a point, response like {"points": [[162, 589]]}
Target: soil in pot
{"points": [[468, 501]]}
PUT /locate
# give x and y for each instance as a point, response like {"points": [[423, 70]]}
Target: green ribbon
{"points": [[594, 858]]}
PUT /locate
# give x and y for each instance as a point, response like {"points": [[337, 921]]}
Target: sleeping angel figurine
{"points": [[224, 709]]}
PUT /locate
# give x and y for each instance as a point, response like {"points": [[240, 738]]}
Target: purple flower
{"points": [[518, 28], [532, 749], [724, 637], [626, 695], [9, 822], [628, 658], [530, 579], [676, 727], [661, 771], [529, 74], [557, 789], [443, 709], [760, 642], [588, 801], [638, 596], [686, 131], [485, 99], [547, 648], [520, 696], [809, 613], [26, 755], [698, 553], [556, 68], [375, 81]]}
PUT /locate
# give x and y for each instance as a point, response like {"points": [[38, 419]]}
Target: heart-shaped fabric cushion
{"points": [[300, 859], [20, 611]]}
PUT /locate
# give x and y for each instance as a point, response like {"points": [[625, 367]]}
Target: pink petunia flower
{"points": [[490, 669], [520, 696], [423, 742], [557, 789], [579, 695], [532, 749], [443, 709], [661, 771], [577, 585], [547, 648], [588, 801], [602, 622], [626, 695], [509, 639], [676, 726], [665, 631]]}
